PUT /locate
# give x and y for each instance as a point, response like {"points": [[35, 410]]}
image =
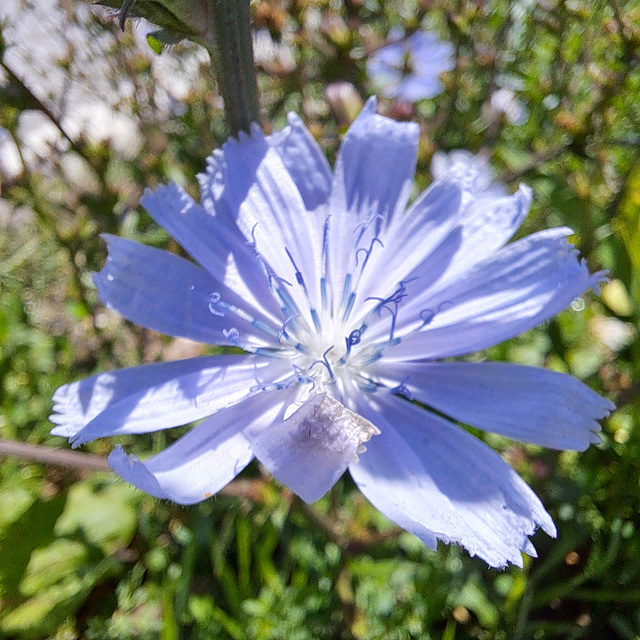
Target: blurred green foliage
{"points": [[82, 555]]}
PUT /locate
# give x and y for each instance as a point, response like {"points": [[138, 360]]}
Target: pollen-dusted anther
{"points": [[312, 448]]}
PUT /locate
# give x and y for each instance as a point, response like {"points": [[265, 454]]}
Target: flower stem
{"points": [[228, 40]]}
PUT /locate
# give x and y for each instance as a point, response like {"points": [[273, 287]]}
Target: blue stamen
{"points": [[259, 386], [301, 348], [316, 320], [283, 332], [374, 356], [325, 363], [366, 384], [403, 390], [270, 273], [290, 308], [346, 290], [323, 292], [395, 299], [233, 336], [427, 315], [368, 252], [325, 247], [302, 377], [394, 316], [354, 338], [349, 307], [363, 226], [213, 300], [258, 324], [299, 278]]}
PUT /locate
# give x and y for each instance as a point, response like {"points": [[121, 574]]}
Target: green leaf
{"points": [[473, 597], [154, 43], [46, 610], [50, 565], [32, 530], [102, 512]]}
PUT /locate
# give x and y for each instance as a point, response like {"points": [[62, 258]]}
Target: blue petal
{"points": [[195, 229], [436, 480], [488, 222], [375, 167], [431, 56], [271, 214], [390, 56], [467, 220], [525, 283], [313, 447], [164, 292], [215, 242], [305, 162], [414, 88], [373, 178], [526, 403], [77, 403], [415, 238], [205, 459], [170, 401]]}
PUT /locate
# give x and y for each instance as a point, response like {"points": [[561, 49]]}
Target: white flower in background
{"points": [[504, 101]]}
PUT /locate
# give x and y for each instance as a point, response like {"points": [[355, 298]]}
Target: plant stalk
{"points": [[228, 40]]}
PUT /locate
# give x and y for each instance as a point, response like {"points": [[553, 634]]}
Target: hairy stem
{"points": [[228, 40]]}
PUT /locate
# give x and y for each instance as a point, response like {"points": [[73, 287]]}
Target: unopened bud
{"points": [[344, 101]]}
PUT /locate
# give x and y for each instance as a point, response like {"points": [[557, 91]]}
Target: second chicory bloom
{"points": [[410, 68], [347, 308]]}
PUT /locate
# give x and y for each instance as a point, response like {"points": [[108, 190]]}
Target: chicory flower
{"points": [[347, 307], [410, 68]]}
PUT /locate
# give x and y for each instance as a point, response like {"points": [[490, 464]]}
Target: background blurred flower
{"points": [[472, 171], [343, 305], [504, 102], [409, 68]]}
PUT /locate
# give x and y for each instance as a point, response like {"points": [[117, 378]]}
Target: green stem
{"points": [[228, 40]]}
